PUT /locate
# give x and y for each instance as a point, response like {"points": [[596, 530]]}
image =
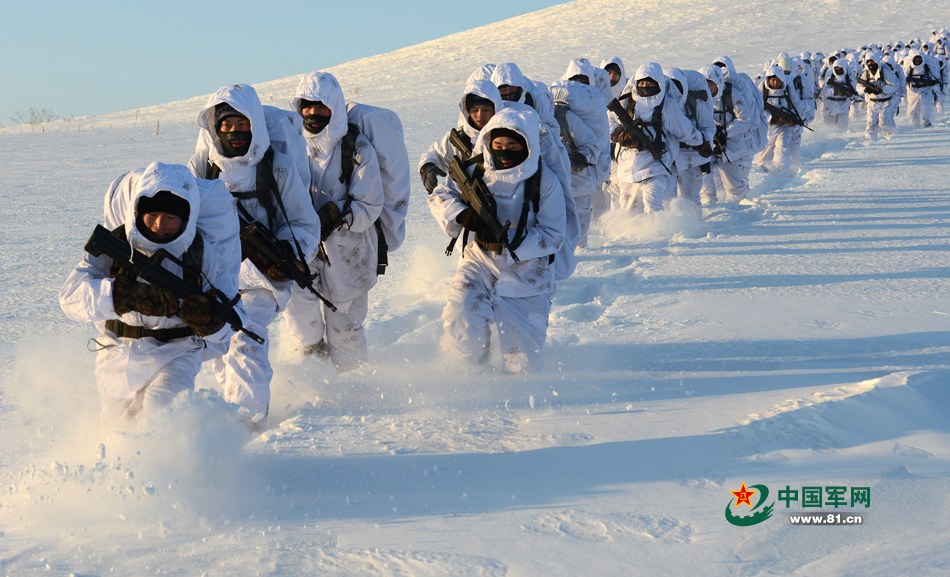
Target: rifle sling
{"points": [[266, 181]]}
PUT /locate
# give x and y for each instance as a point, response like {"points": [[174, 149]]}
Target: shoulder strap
{"points": [[560, 114], [266, 183], [348, 159], [532, 197]]}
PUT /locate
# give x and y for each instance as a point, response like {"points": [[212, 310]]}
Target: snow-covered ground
{"points": [[800, 340]]}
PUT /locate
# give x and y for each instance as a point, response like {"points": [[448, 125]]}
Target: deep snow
{"points": [[796, 340]]}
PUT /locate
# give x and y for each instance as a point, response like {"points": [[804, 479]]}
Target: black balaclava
{"points": [[580, 78], [222, 111], [516, 156], [647, 91], [921, 60], [163, 201], [514, 96], [872, 66], [314, 123], [616, 68]]}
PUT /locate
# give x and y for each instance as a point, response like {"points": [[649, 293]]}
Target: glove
{"points": [[250, 253], [196, 313], [578, 161], [792, 124], [430, 176], [623, 138], [717, 149], [704, 149], [329, 215], [469, 219], [150, 300], [274, 273]]}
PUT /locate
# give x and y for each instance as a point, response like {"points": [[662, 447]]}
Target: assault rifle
{"points": [[635, 129], [869, 87], [843, 87], [476, 195], [259, 237], [150, 268], [787, 116], [461, 142]]}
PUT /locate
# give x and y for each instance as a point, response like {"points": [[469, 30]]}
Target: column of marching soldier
{"points": [[296, 211]]}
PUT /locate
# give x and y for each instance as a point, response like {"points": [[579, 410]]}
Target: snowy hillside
{"points": [[800, 340]]}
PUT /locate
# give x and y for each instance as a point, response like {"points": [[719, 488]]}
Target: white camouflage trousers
{"points": [[310, 321], [689, 175], [920, 106], [174, 378], [645, 196], [473, 306], [244, 372], [783, 147], [732, 178], [880, 116]]}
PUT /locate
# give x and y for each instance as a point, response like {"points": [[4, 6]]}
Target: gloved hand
{"points": [[470, 220], [704, 149], [791, 124], [717, 149], [255, 256], [578, 161], [430, 176], [196, 313], [624, 138], [151, 300], [329, 215]]}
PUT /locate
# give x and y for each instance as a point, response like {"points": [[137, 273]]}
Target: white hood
{"points": [[618, 62], [483, 72], [616, 89], [322, 87], [580, 66], [239, 173], [729, 66], [645, 105], [156, 177], [525, 122], [776, 70], [679, 76], [484, 88], [714, 73], [509, 73]]}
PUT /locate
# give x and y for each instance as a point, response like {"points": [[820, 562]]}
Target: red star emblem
{"points": [[742, 496]]}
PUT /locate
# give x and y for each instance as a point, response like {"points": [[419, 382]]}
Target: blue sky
{"points": [[104, 56]]}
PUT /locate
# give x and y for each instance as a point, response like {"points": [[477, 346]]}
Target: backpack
{"points": [[384, 130], [587, 103], [759, 135]]}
